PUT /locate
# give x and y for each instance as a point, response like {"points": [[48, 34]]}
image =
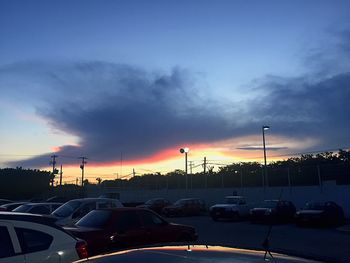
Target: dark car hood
{"points": [[189, 254]]}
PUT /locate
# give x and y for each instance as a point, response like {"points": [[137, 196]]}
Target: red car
{"points": [[108, 229]]}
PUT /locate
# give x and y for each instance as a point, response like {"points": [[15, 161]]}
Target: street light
{"points": [[265, 128], [185, 151]]}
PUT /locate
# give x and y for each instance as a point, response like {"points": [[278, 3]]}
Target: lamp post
{"points": [[265, 179], [185, 151]]}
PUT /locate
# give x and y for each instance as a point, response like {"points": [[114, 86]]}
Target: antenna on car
{"points": [[266, 244]]}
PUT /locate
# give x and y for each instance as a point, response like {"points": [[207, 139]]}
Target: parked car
{"points": [[185, 207], [320, 213], [11, 206], [38, 208], [235, 207], [192, 254], [273, 211], [73, 210], [156, 204], [5, 201], [57, 199], [112, 195], [127, 227], [34, 238]]}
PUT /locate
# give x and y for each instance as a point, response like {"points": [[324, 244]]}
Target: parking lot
{"points": [[326, 244]]}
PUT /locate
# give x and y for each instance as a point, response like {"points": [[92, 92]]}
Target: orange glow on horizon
{"points": [[218, 153]]}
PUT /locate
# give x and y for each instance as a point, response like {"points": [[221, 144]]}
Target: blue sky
{"points": [[68, 68]]}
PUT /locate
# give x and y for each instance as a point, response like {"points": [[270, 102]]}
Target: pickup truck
{"points": [[235, 207]]}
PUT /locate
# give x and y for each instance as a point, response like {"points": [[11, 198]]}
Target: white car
{"points": [[34, 238], [70, 212], [235, 207]]}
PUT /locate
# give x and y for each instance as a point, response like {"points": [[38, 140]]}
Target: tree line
{"points": [[308, 169]]}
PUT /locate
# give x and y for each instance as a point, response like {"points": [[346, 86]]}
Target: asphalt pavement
{"points": [[324, 244]]}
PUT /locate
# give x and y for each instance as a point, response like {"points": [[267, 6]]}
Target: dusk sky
{"points": [[141, 79]]}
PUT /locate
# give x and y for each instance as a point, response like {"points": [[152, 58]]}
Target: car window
{"points": [[128, 220], [55, 206], [150, 219], [44, 210], [6, 248], [32, 240], [67, 209], [96, 219], [150, 202], [22, 208], [86, 208]]}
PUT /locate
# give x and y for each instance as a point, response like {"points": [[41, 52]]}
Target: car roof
{"points": [[235, 196], [43, 203], [94, 199], [41, 219], [185, 199], [118, 209], [5, 200], [14, 203]]}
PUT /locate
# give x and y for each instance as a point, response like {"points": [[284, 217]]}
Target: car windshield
{"points": [[95, 219], [180, 202], [233, 201], [22, 208], [314, 206], [151, 201], [67, 209]]}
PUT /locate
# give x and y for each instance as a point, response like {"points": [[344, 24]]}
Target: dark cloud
{"points": [[116, 108], [300, 107]]}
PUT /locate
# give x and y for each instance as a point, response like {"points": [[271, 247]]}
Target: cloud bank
{"points": [[115, 108]]}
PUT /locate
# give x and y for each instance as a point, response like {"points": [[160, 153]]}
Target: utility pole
{"points": [[191, 165], [133, 172], [121, 164], [205, 171], [82, 166], [54, 171], [61, 173], [205, 165], [76, 180]]}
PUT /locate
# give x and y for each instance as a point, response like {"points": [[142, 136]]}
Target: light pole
{"points": [[265, 179], [185, 151]]}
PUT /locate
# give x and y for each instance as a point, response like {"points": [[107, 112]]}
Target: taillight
{"points": [[82, 249]]}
